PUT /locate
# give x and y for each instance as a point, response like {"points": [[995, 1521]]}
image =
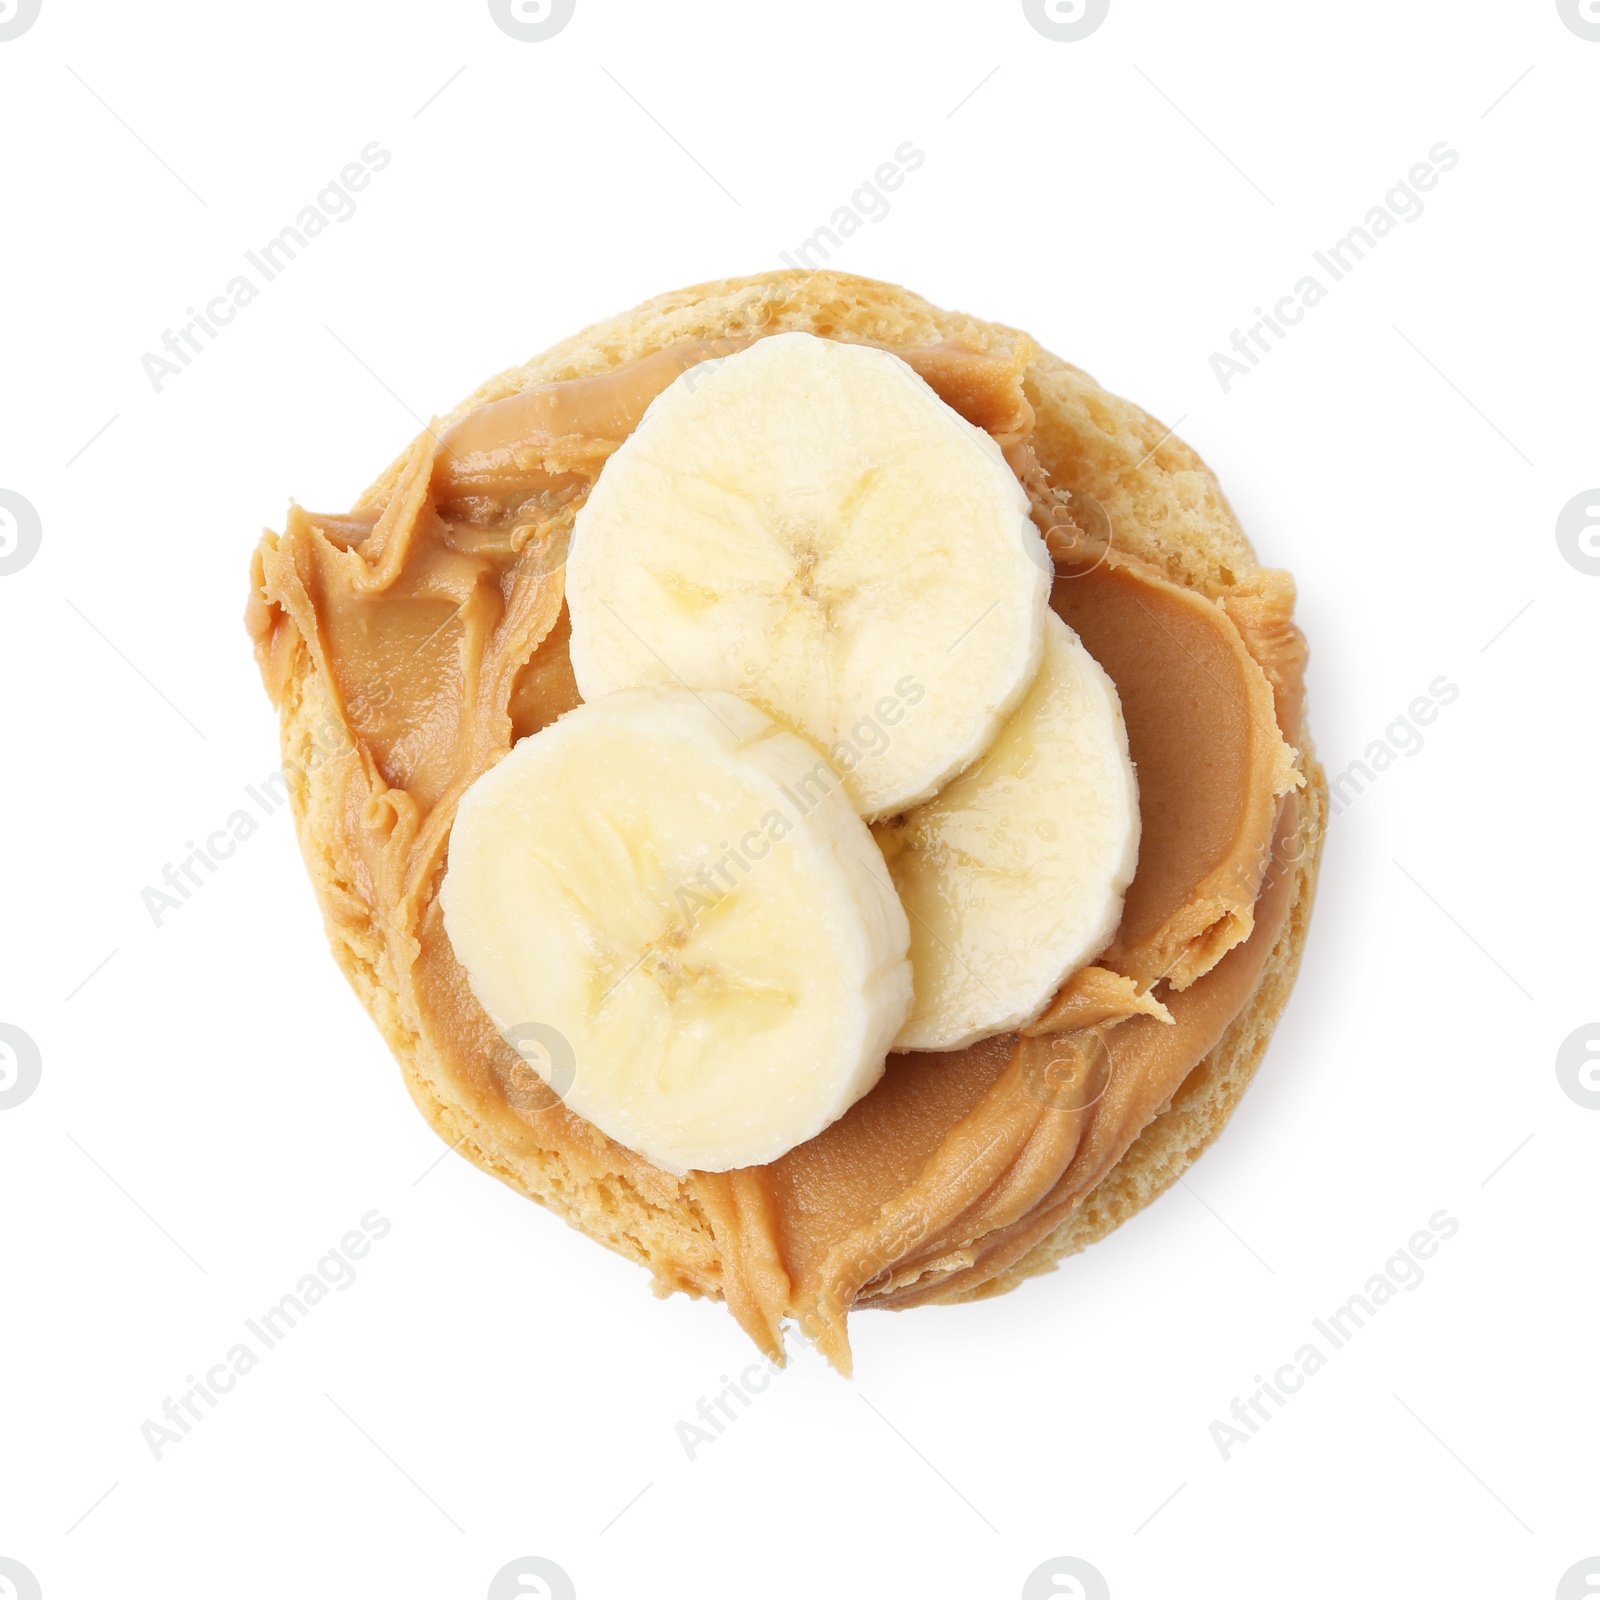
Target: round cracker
{"points": [[1166, 507]]}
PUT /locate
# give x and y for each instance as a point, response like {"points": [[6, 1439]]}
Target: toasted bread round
{"points": [[1166, 508]]}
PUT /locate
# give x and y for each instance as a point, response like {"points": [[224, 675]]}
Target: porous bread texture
{"points": [[1166, 508]]}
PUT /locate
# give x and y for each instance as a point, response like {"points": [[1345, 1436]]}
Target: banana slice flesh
{"points": [[807, 525], [673, 895], [1014, 875]]}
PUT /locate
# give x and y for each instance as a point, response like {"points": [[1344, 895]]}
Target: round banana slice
{"points": [[678, 891], [1014, 875], [808, 525]]}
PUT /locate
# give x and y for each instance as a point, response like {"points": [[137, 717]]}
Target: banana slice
{"points": [[1014, 875], [808, 525], [680, 889]]}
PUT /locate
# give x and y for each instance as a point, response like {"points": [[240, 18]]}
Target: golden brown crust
{"points": [[1165, 507]]}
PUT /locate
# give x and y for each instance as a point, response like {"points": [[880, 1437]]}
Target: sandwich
{"points": [[810, 787]]}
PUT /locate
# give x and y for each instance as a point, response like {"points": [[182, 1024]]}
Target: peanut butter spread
{"points": [[435, 621]]}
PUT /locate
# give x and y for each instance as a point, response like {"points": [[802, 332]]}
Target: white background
{"points": [[215, 1110]]}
